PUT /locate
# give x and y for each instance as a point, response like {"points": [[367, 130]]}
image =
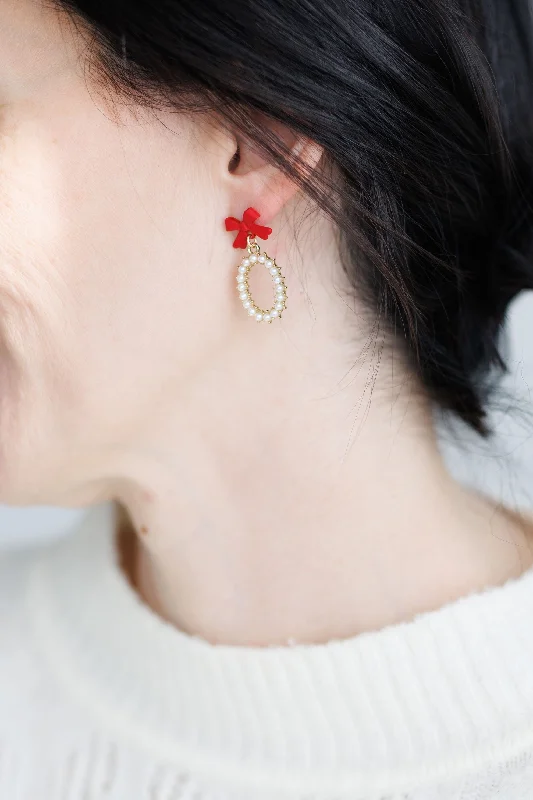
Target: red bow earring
{"points": [[247, 226], [248, 230]]}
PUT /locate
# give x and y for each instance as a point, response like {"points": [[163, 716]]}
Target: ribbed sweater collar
{"points": [[449, 691]]}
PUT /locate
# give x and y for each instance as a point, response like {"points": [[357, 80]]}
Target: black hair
{"points": [[424, 109]]}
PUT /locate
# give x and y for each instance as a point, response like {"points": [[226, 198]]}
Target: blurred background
{"points": [[501, 467]]}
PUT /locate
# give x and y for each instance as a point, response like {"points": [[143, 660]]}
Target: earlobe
{"points": [[257, 182]]}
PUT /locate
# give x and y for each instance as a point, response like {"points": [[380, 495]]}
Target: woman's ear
{"points": [[254, 181]]}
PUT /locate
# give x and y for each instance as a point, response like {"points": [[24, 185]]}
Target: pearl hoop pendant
{"points": [[255, 256]]}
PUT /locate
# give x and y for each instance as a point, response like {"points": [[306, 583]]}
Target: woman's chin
{"points": [[22, 444]]}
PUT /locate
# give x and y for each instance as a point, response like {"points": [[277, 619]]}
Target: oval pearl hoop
{"points": [[254, 257]]}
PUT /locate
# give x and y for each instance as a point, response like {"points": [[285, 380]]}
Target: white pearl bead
{"points": [[247, 303], [277, 279], [261, 259], [279, 306], [253, 259], [244, 295], [242, 270], [274, 313], [280, 288], [252, 312], [267, 317], [259, 317], [274, 271], [268, 263], [245, 262]]}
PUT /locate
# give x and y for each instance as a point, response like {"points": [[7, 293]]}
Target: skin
{"points": [[284, 480]]}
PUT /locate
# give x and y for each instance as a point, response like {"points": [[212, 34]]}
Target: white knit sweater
{"points": [[101, 699]]}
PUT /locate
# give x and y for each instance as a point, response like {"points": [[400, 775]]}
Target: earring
{"points": [[248, 230]]}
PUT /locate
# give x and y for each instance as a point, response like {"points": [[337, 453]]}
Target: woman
{"points": [[246, 249]]}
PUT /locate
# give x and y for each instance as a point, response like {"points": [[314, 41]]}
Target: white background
{"points": [[502, 467]]}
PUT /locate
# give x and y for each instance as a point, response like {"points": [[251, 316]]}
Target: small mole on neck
{"points": [[144, 529]]}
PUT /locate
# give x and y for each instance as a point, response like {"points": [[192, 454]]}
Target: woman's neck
{"points": [[291, 487], [296, 515]]}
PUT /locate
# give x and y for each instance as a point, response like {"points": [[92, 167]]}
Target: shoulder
{"points": [[19, 573], [30, 691], [21, 674], [15, 569], [21, 567]]}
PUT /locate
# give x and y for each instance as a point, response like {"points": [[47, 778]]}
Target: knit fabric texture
{"points": [[101, 699]]}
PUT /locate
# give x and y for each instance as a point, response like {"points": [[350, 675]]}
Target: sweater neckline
{"points": [[449, 691]]}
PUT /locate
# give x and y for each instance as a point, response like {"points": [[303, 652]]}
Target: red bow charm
{"points": [[247, 226]]}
